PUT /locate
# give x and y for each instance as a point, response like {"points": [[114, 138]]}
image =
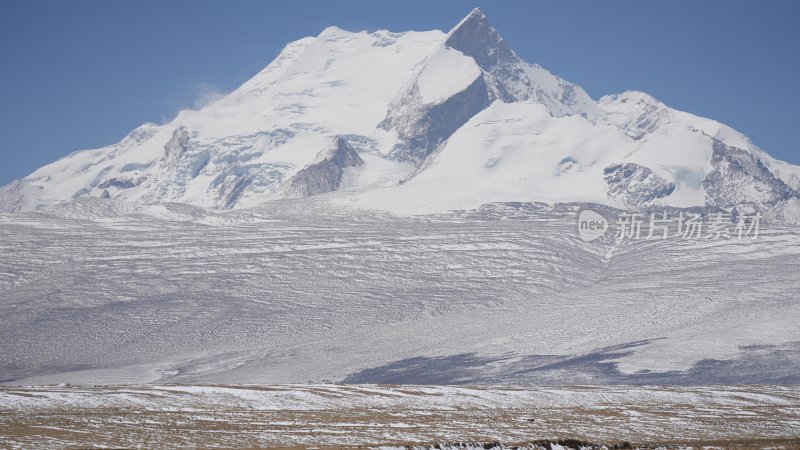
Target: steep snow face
{"points": [[430, 122], [509, 78], [246, 148], [521, 152], [508, 152], [435, 83], [478, 67], [639, 115], [636, 113]]}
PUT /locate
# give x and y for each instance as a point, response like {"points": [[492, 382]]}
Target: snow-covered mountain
{"points": [[419, 122]]}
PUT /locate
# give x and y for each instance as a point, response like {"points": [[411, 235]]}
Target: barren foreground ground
{"points": [[372, 415]]}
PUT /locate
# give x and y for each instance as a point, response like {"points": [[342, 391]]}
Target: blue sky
{"points": [[82, 74]]}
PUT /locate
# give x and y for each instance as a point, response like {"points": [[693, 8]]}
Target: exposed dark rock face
{"points": [[231, 188], [12, 198], [177, 146], [738, 178], [635, 185], [503, 76], [325, 175], [424, 127], [233, 183], [121, 183], [476, 37]]}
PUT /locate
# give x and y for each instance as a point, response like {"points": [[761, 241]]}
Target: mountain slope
{"points": [[430, 122], [475, 67], [521, 152], [245, 148]]}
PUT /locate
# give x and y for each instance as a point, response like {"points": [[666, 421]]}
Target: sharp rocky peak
{"points": [[475, 37]]}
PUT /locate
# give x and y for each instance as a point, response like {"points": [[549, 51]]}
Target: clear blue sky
{"points": [[82, 74]]}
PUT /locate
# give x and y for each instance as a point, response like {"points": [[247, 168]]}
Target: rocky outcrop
{"points": [[177, 146], [475, 37], [232, 187], [503, 76], [12, 197], [423, 127], [636, 113], [634, 185], [739, 178], [121, 183], [325, 175]]}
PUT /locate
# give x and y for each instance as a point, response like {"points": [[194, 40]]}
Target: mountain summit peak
{"points": [[476, 13], [459, 118], [474, 36]]}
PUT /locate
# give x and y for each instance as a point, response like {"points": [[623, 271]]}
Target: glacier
{"points": [[299, 291]]}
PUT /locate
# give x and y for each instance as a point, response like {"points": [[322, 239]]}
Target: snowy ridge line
{"points": [[434, 122]]}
